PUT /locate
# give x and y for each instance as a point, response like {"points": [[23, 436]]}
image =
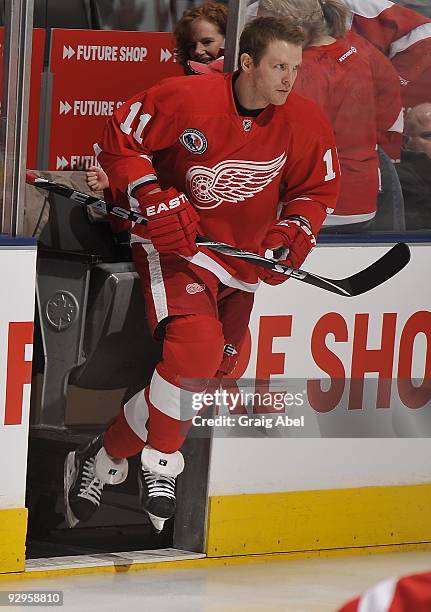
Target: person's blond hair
{"points": [[315, 17]]}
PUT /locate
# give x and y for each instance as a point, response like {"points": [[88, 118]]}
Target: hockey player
{"points": [[240, 159], [359, 92]]}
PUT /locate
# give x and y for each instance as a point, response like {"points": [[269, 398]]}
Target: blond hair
{"points": [[315, 17]]}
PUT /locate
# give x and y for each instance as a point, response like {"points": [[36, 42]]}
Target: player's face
{"points": [[273, 78], [206, 41]]}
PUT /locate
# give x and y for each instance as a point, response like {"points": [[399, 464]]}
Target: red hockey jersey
{"points": [[404, 36], [405, 594], [387, 94], [186, 131], [359, 92]]}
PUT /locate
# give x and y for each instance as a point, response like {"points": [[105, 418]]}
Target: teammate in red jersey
{"points": [[410, 593], [359, 92], [404, 36], [240, 159]]}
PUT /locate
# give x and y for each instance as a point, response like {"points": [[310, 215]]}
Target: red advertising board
{"points": [[93, 73], [37, 52]]}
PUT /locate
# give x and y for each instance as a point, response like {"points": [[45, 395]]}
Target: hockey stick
{"points": [[374, 275]]}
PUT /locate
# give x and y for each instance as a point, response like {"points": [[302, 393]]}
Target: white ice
{"points": [[306, 585]]}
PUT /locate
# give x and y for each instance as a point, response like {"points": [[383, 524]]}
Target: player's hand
{"points": [[294, 239], [96, 178], [172, 222]]}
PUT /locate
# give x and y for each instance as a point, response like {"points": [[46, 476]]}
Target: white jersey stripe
{"points": [[200, 259], [207, 262], [97, 149], [143, 180], [136, 414], [368, 8], [134, 204], [157, 285], [420, 33], [398, 125], [328, 210], [173, 401], [379, 598], [346, 219]]}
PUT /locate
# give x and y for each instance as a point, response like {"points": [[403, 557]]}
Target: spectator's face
{"points": [[206, 41], [273, 78], [418, 133]]}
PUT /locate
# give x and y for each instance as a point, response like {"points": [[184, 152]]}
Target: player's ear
{"points": [[246, 62]]}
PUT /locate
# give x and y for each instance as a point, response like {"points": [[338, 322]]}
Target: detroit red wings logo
{"points": [[233, 180]]}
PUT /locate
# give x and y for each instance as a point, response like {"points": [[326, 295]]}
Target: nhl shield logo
{"points": [[194, 141], [246, 124]]}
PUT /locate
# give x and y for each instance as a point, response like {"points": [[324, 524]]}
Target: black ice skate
{"points": [[156, 480], [86, 471]]}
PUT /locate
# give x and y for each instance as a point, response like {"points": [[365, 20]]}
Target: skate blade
{"points": [[69, 469], [157, 522]]}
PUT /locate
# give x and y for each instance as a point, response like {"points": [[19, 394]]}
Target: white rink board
{"points": [[272, 463], [17, 273]]}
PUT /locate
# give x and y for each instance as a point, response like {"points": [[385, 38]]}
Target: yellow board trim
{"points": [[272, 527], [315, 520], [210, 562], [13, 529]]}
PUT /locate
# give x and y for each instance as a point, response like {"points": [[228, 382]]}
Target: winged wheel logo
{"points": [[231, 181]]}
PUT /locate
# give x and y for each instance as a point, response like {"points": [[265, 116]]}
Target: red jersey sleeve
{"points": [[387, 97], [388, 25], [387, 88], [140, 127], [415, 60], [400, 33], [312, 173]]}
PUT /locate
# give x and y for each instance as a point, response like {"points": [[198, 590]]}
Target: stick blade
{"points": [[378, 272]]}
